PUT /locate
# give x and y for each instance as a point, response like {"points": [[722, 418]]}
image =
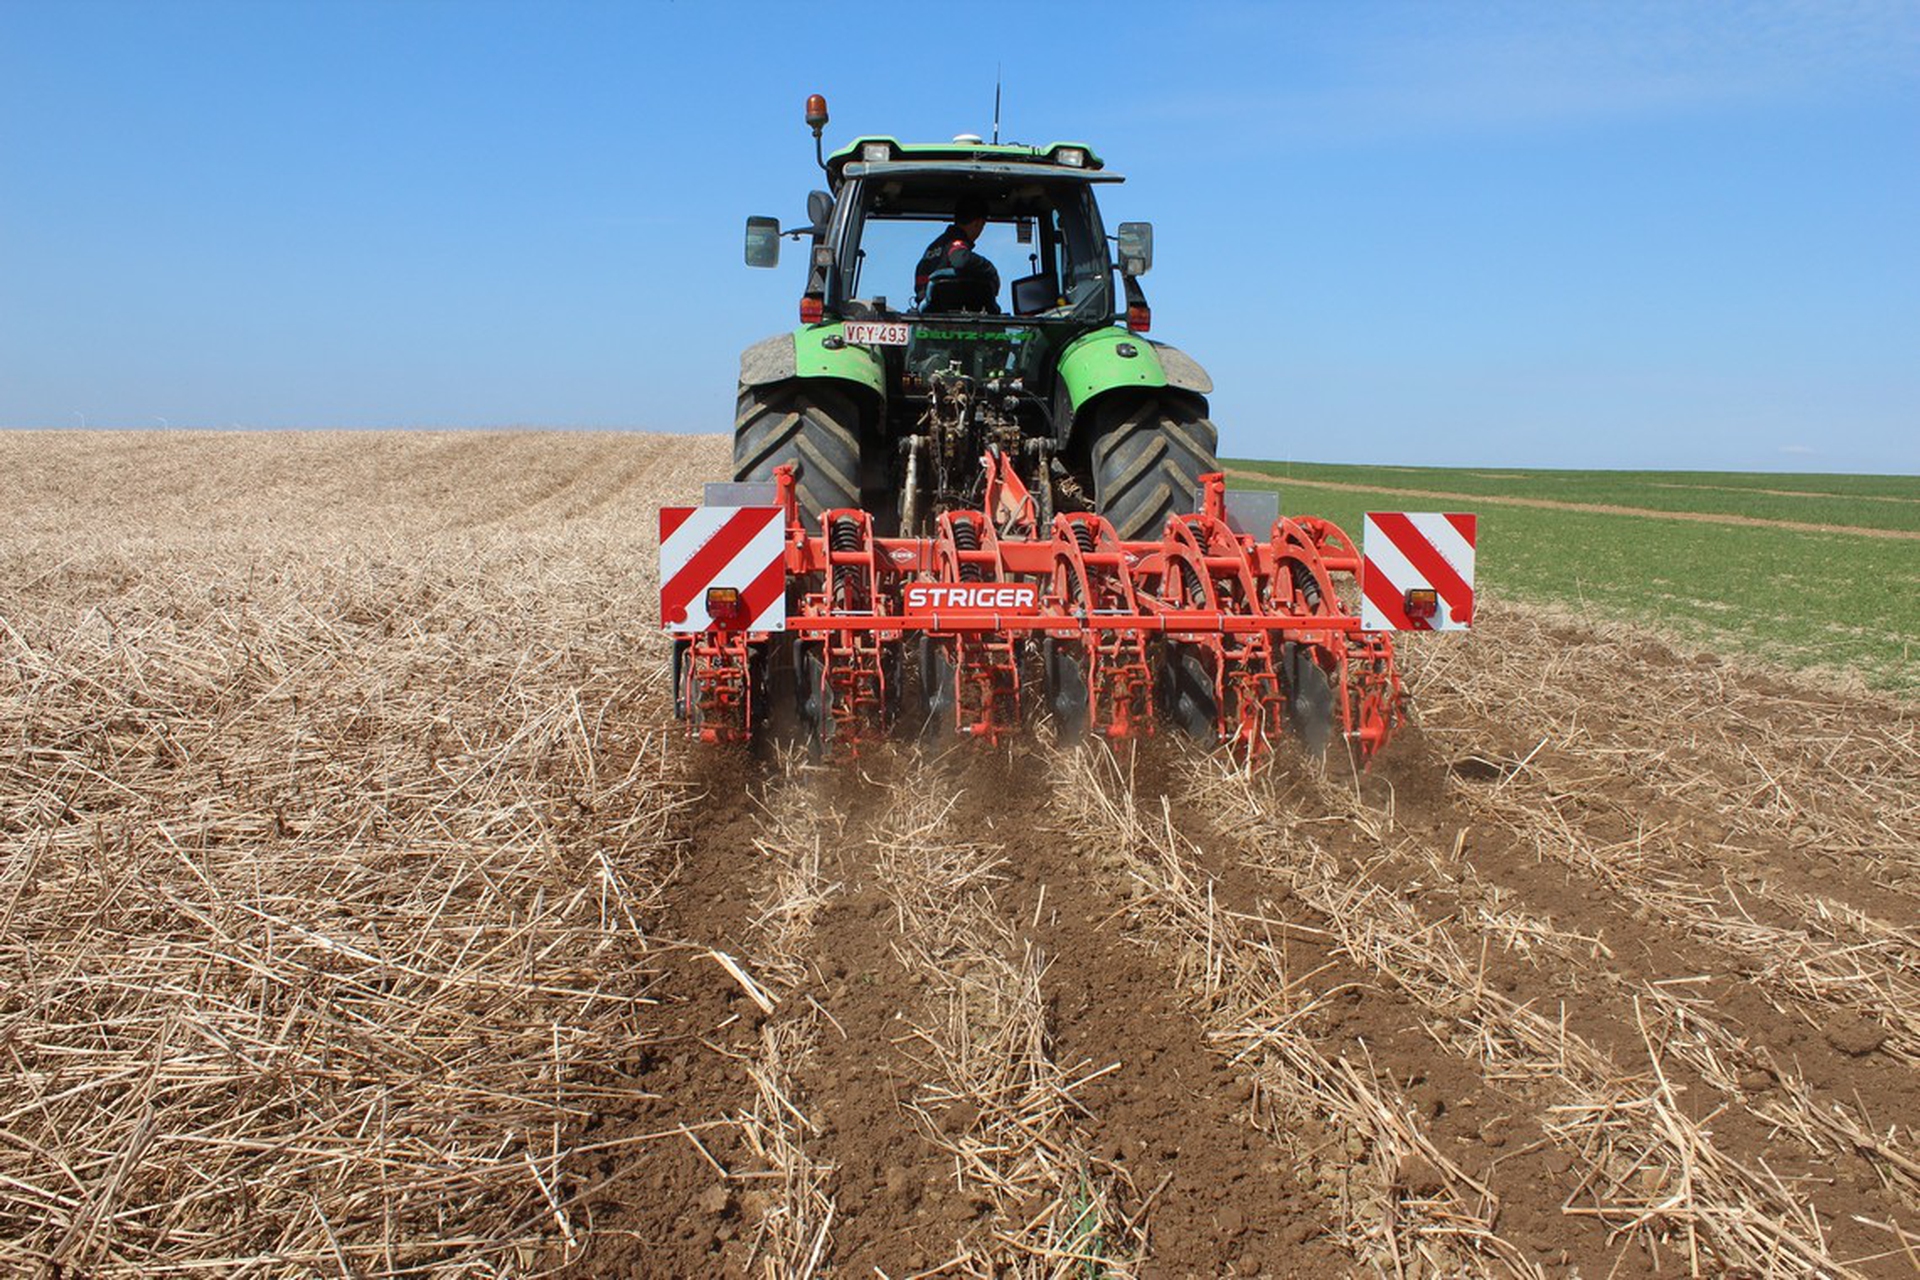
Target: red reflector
{"points": [[1139, 319], [812, 310], [725, 608], [1422, 603]]}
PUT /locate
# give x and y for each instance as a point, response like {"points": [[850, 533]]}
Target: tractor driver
{"points": [[965, 280]]}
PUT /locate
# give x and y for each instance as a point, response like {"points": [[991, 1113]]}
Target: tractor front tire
{"points": [[1149, 453], [811, 425]]}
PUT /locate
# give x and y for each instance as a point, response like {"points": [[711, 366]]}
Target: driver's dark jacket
{"points": [[938, 257]]}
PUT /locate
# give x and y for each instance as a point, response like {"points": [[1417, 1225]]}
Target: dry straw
{"points": [[332, 812]]}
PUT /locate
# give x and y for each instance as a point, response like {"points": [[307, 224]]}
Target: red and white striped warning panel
{"points": [[1418, 571], [723, 566]]}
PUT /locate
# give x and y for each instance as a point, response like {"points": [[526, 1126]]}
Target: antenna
{"points": [[996, 104]]}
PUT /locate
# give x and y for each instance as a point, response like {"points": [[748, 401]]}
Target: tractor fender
{"points": [[1182, 370], [816, 351], [1094, 364]]}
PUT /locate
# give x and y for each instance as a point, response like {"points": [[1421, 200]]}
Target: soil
{"points": [[1175, 1123]]}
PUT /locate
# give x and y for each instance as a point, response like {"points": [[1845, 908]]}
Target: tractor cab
{"points": [[928, 339], [1043, 234]]}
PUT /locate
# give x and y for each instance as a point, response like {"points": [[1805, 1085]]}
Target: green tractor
{"points": [[889, 406]]}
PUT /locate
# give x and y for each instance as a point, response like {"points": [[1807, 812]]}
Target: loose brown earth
{"points": [[1611, 965]]}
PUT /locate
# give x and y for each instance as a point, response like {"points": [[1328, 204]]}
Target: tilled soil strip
{"points": [[990, 1093], [690, 1183], [1159, 1105], [794, 1212], [1651, 1166], [1817, 1140], [1401, 1202]]}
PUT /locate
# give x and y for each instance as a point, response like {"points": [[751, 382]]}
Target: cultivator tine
{"points": [[1231, 639], [858, 670]]}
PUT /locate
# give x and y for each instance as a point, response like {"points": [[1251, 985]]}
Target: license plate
{"points": [[878, 333]]}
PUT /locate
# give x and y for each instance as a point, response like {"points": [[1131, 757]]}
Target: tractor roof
{"points": [[1060, 159]]}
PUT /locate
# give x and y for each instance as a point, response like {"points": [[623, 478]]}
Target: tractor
{"points": [[888, 405], [973, 509]]}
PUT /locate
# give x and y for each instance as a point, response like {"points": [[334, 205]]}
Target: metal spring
{"points": [[844, 535], [967, 538], [1305, 583]]}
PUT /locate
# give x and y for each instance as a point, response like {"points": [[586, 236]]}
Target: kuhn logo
{"points": [[985, 597]]}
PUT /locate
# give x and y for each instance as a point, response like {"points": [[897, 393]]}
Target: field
{"points": [[362, 914], [1815, 573]]}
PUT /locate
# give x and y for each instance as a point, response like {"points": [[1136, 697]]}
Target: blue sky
{"points": [[1625, 235]]}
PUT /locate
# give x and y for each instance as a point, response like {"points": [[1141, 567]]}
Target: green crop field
{"points": [[1797, 597]]}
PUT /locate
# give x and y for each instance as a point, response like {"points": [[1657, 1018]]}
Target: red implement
{"points": [[1230, 638]]}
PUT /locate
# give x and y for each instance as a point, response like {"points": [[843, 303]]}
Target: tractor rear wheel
{"points": [[1149, 453], [810, 425]]}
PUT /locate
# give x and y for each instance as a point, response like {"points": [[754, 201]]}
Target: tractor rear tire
{"points": [[809, 424], [1149, 453]]}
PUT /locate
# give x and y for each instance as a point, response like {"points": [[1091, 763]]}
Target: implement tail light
{"points": [[812, 310], [1139, 318], [1423, 603], [726, 609]]}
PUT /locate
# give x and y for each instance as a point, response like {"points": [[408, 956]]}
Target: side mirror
{"points": [[763, 242], [819, 210], [1136, 248]]}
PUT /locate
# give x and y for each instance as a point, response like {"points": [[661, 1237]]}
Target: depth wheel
{"points": [[809, 424], [1149, 453]]}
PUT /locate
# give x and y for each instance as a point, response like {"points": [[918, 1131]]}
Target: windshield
{"points": [[1043, 238]]}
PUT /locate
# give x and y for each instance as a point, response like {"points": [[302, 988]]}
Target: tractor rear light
{"points": [[1422, 604], [1139, 317], [1072, 157], [812, 310], [725, 608], [876, 152]]}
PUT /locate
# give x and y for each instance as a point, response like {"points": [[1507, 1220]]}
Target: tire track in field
{"points": [[1585, 508]]}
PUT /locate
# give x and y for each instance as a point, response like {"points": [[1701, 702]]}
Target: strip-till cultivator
{"points": [[834, 636]]}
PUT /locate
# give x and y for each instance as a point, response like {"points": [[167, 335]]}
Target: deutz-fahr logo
{"points": [[923, 333], [971, 597]]}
